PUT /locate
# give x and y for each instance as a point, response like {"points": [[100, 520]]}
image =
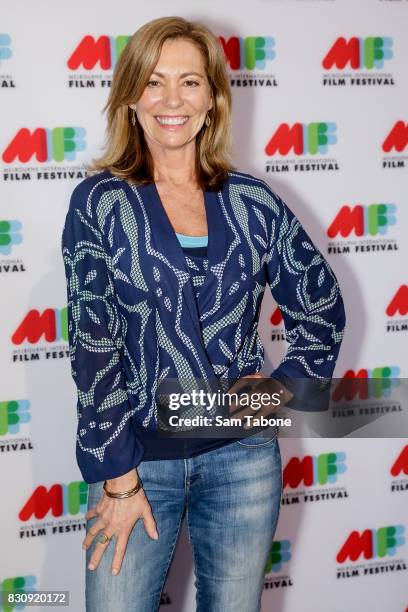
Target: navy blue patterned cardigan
{"points": [[133, 317]]}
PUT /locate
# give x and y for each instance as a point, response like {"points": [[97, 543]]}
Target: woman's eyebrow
{"points": [[160, 74]]}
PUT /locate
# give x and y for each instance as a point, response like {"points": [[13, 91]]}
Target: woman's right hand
{"points": [[117, 517]]}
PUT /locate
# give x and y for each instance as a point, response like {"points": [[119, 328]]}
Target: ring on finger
{"points": [[103, 538]]}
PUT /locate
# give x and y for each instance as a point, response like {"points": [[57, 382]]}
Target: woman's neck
{"points": [[174, 168]]}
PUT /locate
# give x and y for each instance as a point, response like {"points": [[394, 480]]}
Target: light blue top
{"points": [[192, 241]]}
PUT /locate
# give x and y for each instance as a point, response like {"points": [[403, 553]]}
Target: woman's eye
{"points": [[189, 82]]}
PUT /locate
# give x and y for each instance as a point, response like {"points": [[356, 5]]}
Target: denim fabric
{"points": [[230, 498]]}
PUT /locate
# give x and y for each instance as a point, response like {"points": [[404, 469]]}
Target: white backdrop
{"points": [[281, 104]]}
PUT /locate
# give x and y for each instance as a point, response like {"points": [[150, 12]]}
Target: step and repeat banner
{"points": [[320, 111]]}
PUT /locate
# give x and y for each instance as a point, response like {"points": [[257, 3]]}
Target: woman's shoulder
{"points": [[256, 187], [238, 176], [93, 184]]}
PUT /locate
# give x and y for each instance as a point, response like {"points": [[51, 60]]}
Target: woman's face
{"points": [[174, 104]]}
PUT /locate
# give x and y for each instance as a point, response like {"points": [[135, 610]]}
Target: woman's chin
{"points": [[173, 141]]}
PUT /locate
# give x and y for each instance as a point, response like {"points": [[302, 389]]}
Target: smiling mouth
{"points": [[172, 120]]}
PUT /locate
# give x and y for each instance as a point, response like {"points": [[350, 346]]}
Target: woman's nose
{"points": [[172, 95]]}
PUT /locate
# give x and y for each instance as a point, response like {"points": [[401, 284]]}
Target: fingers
{"points": [[241, 382], [239, 385], [91, 513], [150, 523], [119, 553], [248, 411], [119, 525], [92, 532], [99, 550]]}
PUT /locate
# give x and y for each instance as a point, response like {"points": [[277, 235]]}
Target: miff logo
{"points": [[372, 543], [400, 466], [250, 53], [397, 138], [278, 555], [59, 499], [51, 323], [106, 50], [5, 51], [302, 138], [19, 585], [399, 302], [362, 219], [9, 235], [276, 317], [365, 383], [370, 52], [314, 469], [46, 144], [13, 414]]}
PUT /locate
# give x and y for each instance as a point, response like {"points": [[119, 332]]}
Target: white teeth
{"points": [[171, 120]]}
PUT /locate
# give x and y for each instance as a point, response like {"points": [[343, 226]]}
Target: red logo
{"points": [[42, 501], [35, 325], [276, 317], [347, 220], [59, 499], [397, 138], [285, 138], [356, 545], [297, 471], [26, 144], [89, 52], [399, 303], [352, 384], [342, 52], [401, 463]]}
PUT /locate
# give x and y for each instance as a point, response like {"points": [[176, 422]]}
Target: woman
{"points": [[143, 307]]}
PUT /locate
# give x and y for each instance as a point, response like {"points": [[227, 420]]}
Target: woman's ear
{"points": [[132, 106]]}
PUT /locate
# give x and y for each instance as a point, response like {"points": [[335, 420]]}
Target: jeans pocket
{"points": [[265, 438]]}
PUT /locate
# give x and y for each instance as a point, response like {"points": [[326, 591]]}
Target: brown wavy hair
{"points": [[125, 152]]}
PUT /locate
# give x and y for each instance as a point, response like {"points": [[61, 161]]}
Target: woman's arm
{"points": [[106, 446], [309, 298]]}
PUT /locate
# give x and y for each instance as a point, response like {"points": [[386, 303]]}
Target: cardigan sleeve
{"points": [[106, 445], [310, 300]]}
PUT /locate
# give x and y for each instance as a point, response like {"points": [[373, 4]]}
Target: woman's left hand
{"points": [[279, 396]]}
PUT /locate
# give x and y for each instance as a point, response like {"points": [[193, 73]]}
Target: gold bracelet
{"points": [[125, 493]]}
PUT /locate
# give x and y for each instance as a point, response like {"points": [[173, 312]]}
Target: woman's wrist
{"points": [[123, 483]]}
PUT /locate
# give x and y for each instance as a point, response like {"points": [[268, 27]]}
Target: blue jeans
{"points": [[231, 499]]}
